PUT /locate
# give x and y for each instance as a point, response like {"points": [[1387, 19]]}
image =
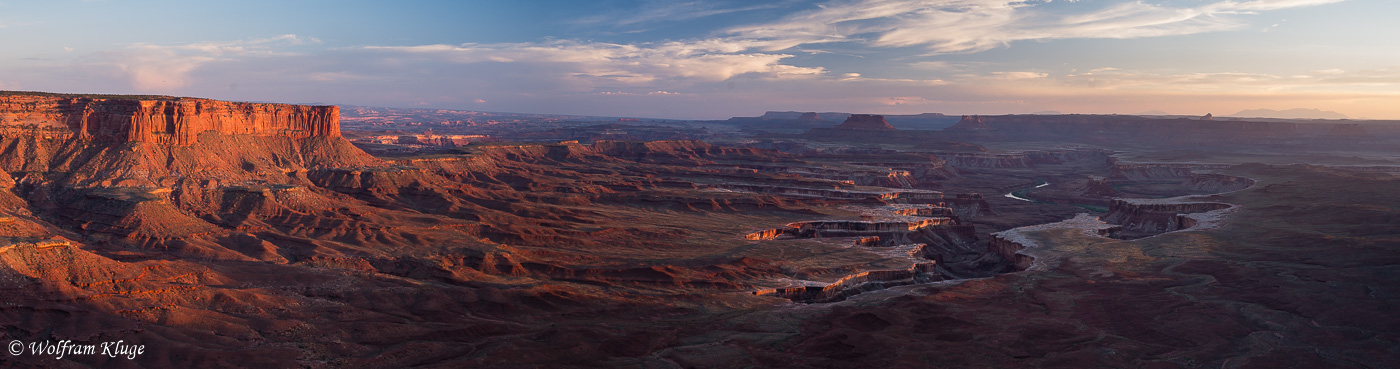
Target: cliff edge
{"points": [[156, 119]]}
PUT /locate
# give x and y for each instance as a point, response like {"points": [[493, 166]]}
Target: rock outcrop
{"points": [[1024, 252], [1098, 186], [898, 196], [1144, 217], [970, 123], [1184, 178], [940, 236], [866, 122], [164, 120], [965, 205], [857, 283], [849, 228], [155, 169]]}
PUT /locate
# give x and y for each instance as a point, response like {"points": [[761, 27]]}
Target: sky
{"points": [[718, 59]]}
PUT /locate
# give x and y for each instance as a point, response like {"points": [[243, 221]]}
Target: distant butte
{"points": [[866, 122], [970, 123]]}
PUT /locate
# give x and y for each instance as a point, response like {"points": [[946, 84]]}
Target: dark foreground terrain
{"points": [[215, 234]]}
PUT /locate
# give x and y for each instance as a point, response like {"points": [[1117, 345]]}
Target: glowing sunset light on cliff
{"points": [[718, 59], [700, 184]]}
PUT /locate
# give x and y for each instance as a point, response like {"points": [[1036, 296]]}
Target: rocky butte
{"points": [[866, 122], [157, 119]]}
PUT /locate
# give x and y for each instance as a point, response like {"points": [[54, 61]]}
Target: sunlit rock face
{"points": [[164, 120]]}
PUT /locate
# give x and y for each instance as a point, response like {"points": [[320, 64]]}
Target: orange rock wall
{"points": [[175, 121]]}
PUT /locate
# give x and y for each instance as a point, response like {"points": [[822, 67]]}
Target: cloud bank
{"points": [[773, 64]]}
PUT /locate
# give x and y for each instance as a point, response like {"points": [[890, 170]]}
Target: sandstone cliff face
{"points": [[184, 170], [1011, 251], [173, 121]]}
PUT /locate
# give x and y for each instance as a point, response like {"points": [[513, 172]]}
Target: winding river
{"points": [[1012, 194]]}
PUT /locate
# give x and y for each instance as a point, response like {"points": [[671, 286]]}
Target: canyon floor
{"points": [[752, 249]]}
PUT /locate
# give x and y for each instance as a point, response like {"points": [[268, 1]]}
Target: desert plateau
{"points": [[678, 184], [231, 234]]}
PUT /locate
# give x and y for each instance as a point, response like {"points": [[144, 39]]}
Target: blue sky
{"points": [[715, 59]]}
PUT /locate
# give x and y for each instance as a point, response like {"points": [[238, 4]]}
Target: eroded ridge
{"points": [[1025, 253], [1126, 219], [846, 228], [832, 193], [928, 233], [853, 284], [1146, 217]]}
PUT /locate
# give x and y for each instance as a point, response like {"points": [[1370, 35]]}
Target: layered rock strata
{"points": [[1018, 246], [846, 228], [1025, 159], [905, 195], [857, 283], [1140, 217], [166, 120]]}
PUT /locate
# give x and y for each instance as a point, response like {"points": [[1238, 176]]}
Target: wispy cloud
{"points": [[1323, 80], [162, 67], [626, 64], [339, 77], [652, 93], [1019, 75], [668, 11], [965, 26]]}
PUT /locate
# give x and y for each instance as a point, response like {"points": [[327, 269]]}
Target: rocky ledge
{"points": [[857, 283], [1025, 253]]}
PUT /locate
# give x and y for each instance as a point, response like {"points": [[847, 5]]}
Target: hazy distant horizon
{"points": [[1235, 115], [1281, 113], [714, 60]]}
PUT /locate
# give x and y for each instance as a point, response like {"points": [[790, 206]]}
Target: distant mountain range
{"points": [[1299, 113]]}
